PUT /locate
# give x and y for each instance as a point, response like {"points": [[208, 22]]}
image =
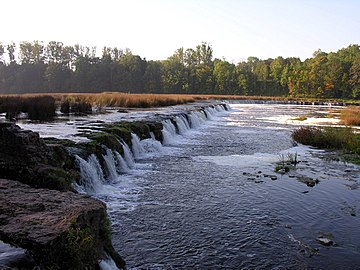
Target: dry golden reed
{"points": [[351, 116]]}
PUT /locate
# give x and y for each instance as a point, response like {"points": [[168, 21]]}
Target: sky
{"points": [[154, 29]]}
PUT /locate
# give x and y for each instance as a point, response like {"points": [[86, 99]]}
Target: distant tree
{"points": [[2, 51], [152, 77], [225, 77], [31, 52], [354, 80], [11, 47]]}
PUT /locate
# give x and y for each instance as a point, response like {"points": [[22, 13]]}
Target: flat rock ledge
{"points": [[60, 230]]}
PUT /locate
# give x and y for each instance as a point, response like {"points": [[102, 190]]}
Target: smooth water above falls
{"points": [[204, 200]]}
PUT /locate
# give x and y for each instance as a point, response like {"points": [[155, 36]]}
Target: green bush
{"points": [[344, 139]]}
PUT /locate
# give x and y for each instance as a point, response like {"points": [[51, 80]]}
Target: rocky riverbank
{"points": [[58, 227]]}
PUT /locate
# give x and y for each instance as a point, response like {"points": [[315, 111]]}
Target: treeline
{"points": [[32, 67]]}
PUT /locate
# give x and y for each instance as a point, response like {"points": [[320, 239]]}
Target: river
{"points": [[209, 198]]}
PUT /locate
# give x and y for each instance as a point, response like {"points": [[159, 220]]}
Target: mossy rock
{"points": [[55, 178], [121, 132], [107, 139]]}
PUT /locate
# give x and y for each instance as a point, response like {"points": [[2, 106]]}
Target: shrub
{"points": [[344, 139]]}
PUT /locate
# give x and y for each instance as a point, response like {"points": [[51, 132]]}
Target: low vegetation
{"points": [[344, 139], [38, 107], [351, 116], [286, 162]]}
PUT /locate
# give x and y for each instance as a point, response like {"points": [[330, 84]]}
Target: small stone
{"points": [[291, 176], [259, 171], [244, 173], [306, 191], [325, 241], [273, 177]]}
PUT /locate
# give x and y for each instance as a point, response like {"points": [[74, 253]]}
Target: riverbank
{"points": [[46, 106], [44, 215]]}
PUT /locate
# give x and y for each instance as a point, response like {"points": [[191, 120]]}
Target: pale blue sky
{"points": [[154, 29]]}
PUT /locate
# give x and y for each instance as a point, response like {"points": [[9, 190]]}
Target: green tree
{"points": [[11, 47], [225, 77]]}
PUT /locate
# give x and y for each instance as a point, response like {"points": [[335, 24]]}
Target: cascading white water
{"points": [[197, 119], [210, 113], [182, 124], [110, 165], [122, 166], [151, 146], [128, 155], [137, 148], [169, 132], [91, 173]]}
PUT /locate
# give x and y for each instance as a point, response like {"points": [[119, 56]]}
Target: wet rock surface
{"points": [[25, 157], [59, 229]]}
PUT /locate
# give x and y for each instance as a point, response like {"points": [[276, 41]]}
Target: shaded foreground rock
{"points": [[61, 230], [25, 157]]}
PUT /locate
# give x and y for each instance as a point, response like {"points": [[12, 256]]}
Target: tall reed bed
{"points": [[131, 100], [38, 107], [351, 116]]}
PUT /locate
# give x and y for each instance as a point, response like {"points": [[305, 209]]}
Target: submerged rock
{"points": [[325, 241], [61, 230]]}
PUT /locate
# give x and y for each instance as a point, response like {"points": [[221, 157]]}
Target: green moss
{"points": [[107, 139], [55, 178], [80, 245], [120, 131]]}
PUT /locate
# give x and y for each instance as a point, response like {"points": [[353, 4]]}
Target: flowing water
{"points": [[208, 198]]}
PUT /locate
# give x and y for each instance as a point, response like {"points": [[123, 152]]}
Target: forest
{"points": [[35, 67]]}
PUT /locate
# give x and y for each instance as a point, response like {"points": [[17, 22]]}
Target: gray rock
{"points": [[51, 225]]}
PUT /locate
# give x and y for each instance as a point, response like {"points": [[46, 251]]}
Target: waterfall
{"points": [[210, 113], [182, 124], [194, 119], [197, 119], [128, 155], [110, 165], [122, 166], [91, 173], [151, 146], [169, 132], [137, 148]]}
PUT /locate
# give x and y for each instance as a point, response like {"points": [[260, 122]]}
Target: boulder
{"points": [[61, 230], [25, 157]]}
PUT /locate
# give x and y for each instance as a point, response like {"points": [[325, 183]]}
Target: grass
{"points": [[344, 139], [286, 163], [350, 116]]}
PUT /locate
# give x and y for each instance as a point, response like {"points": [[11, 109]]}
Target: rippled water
{"points": [[207, 204], [207, 200]]}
